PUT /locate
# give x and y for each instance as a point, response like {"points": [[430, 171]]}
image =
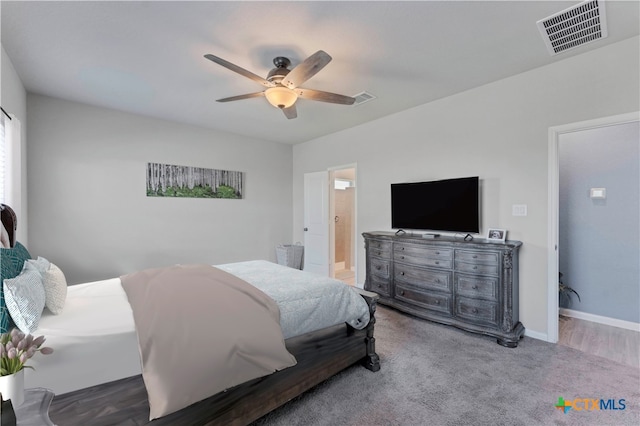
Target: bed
{"points": [[97, 373]]}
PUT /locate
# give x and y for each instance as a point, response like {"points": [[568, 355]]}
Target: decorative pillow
{"points": [[11, 263], [55, 288], [16, 256], [24, 296], [55, 284], [41, 264]]}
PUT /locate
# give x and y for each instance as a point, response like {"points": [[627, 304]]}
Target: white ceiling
{"points": [[147, 57]]}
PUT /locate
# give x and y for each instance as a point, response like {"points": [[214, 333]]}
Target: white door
{"points": [[316, 222]]}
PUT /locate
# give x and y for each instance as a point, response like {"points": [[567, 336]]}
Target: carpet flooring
{"points": [[437, 375]]}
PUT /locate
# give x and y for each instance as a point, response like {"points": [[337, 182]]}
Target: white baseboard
{"points": [[628, 325], [536, 335]]}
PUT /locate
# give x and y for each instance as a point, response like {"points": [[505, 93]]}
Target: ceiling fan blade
{"points": [[290, 112], [239, 70], [319, 95], [306, 69], [240, 97]]}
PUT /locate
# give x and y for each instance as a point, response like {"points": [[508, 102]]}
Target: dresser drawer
{"points": [[476, 268], [431, 300], [477, 311], [420, 251], [491, 258], [379, 286], [423, 255], [380, 267], [477, 287], [423, 278], [379, 248]]}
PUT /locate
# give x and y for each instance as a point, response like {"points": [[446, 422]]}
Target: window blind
{"points": [[3, 160]]}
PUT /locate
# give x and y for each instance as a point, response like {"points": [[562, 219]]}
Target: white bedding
{"points": [[94, 339]]}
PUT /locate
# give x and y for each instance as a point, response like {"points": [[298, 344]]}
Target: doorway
{"points": [[555, 134], [343, 223]]}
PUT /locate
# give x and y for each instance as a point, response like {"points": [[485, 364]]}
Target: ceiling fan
{"points": [[283, 85]]}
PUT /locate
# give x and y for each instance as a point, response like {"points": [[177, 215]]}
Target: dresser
{"points": [[472, 285]]}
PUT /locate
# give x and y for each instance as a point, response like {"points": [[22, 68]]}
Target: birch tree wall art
{"points": [[166, 180]]}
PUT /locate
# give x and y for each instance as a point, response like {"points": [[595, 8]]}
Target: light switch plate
{"points": [[519, 210], [598, 193]]}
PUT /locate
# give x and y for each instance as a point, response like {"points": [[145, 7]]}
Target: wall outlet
{"points": [[519, 210]]}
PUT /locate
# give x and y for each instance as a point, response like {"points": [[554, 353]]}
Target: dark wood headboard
{"points": [[9, 221]]}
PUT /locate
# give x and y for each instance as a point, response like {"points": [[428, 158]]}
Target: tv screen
{"points": [[443, 205]]}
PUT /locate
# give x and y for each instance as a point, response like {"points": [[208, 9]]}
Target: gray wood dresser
{"points": [[472, 285]]}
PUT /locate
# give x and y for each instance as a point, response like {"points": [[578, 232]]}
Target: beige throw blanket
{"points": [[201, 330]]}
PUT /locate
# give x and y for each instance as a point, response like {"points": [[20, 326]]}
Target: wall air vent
{"points": [[575, 26], [363, 97]]}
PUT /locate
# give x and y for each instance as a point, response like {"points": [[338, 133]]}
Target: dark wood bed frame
{"points": [[320, 355]]}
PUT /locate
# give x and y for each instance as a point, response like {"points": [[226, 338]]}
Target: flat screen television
{"points": [[443, 205]]}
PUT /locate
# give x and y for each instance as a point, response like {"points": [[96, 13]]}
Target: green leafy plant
{"points": [[197, 191], [16, 348], [565, 292], [225, 191]]}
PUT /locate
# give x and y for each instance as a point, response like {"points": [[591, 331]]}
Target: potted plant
{"points": [[565, 292], [16, 348]]}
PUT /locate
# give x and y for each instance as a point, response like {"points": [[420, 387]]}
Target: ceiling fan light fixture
{"points": [[281, 97]]}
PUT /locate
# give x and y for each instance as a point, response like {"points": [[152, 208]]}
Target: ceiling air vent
{"points": [[575, 26], [363, 97]]}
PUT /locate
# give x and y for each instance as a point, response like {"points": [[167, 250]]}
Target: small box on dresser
{"points": [[472, 285]]}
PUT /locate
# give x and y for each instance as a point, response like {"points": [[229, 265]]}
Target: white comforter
{"points": [[307, 302]]}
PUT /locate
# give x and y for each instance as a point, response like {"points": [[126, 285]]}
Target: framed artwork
{"points": [[167, 180], [494, 234]]}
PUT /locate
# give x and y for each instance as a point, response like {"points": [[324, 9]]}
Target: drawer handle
{"points": [[475, 256], [402, 273], [401, 257], [437, 263], [437, 302], [378, 267], [401, 292], [475, 267], [475, 287], [402, 248], [474, 310], [437, 280], [379, 253], [379, 285], [437, 252]]}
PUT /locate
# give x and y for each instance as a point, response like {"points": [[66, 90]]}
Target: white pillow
{"points": [[24, 296], [41, 264], [55, 288], [54, 282]]}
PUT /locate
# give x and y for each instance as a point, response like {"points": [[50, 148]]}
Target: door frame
{"points": [[332, 226], [554, 207]]}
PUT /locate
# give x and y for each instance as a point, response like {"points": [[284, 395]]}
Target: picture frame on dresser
{"points": [[494, 234]]}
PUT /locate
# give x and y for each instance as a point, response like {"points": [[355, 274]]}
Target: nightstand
{"points": [[34, 411]]}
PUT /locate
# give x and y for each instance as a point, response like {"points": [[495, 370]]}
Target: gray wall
{"points": [[89, 212], [498, 132], [599, 248]]}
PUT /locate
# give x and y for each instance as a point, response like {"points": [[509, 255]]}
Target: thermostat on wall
{"points": [[598, 193]]}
